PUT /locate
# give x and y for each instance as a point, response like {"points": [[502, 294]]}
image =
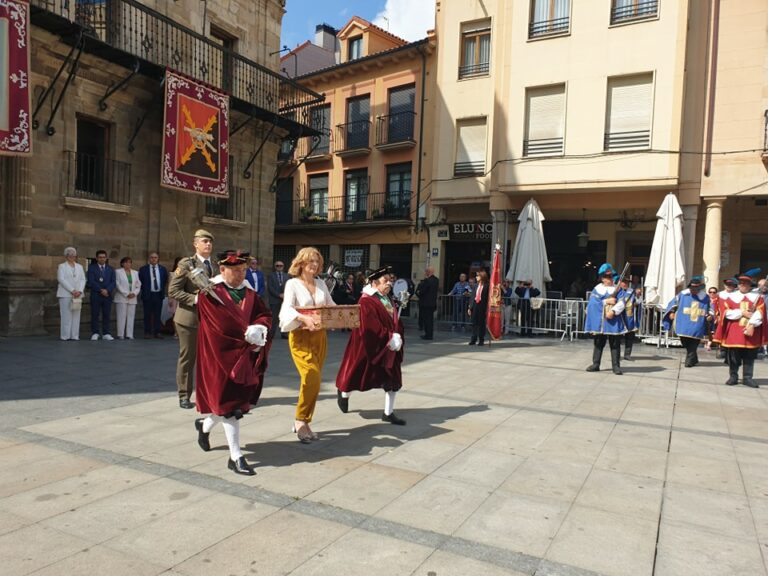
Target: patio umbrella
{"points": [[666, 266], [529, 257]]}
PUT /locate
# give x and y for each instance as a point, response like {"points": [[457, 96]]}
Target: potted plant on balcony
{"points": [[305, 213], [391, 210]]}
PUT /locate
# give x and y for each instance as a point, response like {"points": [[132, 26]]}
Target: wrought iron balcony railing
{"points": [[324, 209], [470, 70], [543, 147], [639, 10], [549, 27], [627, 140], [395, 128], [232, 208], [97, 178], [353, 136], [129, 27]]}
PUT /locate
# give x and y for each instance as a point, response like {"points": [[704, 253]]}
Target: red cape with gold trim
{"points": [[230, 372], [730, 333]]}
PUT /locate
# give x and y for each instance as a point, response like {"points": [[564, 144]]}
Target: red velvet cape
{"points": [[229, 371], [368, 362], [730, 333]]}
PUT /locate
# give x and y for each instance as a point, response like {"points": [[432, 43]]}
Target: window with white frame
{"points": [[475, 49], [549, 17], [545, 121], [631, 10], [318, 196], [470, 147], [629, 112]]}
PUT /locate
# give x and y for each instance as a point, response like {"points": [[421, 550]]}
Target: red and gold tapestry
{"points": [[15, 123], [496, 298], [195, 138]]}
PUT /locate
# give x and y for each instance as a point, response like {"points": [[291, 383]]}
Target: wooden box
{"points": [[334, 316]]}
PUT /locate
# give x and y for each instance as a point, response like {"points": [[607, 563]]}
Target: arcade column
{"points": [[713, 232]]}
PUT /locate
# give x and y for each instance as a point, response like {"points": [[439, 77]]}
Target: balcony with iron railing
{"points": [[544, 147], [316, 148], [641, 10], [395, 131], [470, 70], [543, 28], [96, 181], [126, 31], [636, 140], [353, 138], [327, 210]]}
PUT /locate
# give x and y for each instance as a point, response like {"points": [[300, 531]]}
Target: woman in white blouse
{"points": [[71, 277], [127, 289], [307, 340]]}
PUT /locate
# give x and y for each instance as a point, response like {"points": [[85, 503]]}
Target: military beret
{"points": [[200, 233]]}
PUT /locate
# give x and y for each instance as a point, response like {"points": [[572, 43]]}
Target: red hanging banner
{"points": [[15, 129], [495, 300], [195, 138]]}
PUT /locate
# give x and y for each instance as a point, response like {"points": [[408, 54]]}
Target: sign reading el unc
{"points": [[471, 231]]}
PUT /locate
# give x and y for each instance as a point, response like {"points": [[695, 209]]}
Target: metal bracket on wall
{"points": [[247, 171], [49, 91], [240, 126], [147, 110], [294, 143], [115, 87]]}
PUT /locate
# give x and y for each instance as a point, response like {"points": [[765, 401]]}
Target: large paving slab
{"points": [[514, 461]]}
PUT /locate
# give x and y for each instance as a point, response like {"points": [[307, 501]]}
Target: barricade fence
{"points": [[544, 316]]}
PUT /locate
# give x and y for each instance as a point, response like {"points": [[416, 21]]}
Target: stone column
{"points": [[713, 231], [22, 296], [690, 215]]}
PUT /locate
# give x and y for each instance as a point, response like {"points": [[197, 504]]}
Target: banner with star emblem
{"points": [[15, 129], [195, 137]]}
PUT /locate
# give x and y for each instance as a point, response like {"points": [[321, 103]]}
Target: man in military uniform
{"points": [[688, 313], [605, 320], [184, 291]]}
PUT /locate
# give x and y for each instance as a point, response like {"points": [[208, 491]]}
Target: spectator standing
{"points": [[71, 277], [276, 288], [507, 293], [460, 298], [153, 278], [346, 293], [427, 293], [101, 282], [255, 276], [127, 289], [478, 308], [524, 292]]}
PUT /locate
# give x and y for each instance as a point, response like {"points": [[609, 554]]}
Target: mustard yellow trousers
{"points": [[308, 351]]}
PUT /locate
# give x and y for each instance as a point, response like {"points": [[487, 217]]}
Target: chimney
{"points": [[325, 37]]}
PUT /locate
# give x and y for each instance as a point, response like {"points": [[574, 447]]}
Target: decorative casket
{"points": [[347, 316]]}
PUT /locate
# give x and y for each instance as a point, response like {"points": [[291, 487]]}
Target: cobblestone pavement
{"points": [[514, 461]]}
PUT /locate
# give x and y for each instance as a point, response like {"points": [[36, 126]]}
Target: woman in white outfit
{"points": [[71, 277], [128, 288]]}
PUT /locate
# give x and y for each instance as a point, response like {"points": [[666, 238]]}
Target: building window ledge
{"points": [[223, 222], [70, 202]]}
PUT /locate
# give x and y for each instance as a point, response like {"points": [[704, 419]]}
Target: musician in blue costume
{"points": [[688, 313], [605, 319], [631, 315]]}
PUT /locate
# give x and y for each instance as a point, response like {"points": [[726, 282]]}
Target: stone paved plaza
{"points": [[514, 461]]}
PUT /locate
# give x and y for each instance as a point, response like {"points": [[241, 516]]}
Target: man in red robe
{"points": [[742, 330], [232, 345], [374, 352]]}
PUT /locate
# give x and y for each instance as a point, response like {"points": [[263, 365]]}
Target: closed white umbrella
{"points": [[666, 266], [529, 256]]}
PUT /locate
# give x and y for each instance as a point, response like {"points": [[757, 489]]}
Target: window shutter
{"points": [[471, 143], [402, 99], [630, 102], [546, 113]]}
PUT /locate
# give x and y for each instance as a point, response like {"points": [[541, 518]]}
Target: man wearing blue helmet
{"points": [[605, 319], [688, 313]]}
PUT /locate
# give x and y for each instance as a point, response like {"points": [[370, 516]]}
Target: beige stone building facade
{"points": [[93, 181], [597, 110]]}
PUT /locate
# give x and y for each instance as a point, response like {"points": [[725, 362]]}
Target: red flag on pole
{"points": [[495, 301]]}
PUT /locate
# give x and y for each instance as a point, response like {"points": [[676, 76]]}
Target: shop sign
{"points": [[353, 258], [471, 231]]}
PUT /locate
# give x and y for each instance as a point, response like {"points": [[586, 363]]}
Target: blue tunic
{"points": [[631, 310], [691, 311], [596, 321]]}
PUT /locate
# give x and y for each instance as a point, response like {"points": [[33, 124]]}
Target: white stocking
{"points": [[232, 430], [345, 394], [389, 402], [210, 422]]}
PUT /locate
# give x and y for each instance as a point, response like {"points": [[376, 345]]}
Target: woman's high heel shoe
{"points": [[303, 438]]}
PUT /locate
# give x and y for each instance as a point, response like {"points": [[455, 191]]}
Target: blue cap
{"points": [[605, 269], [697, 281], [749, 274]]}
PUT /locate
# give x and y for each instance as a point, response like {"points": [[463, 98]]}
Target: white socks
{"points": [[345, 394], [389, 402], [231, 430]]}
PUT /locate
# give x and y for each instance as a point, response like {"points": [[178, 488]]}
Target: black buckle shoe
{"points": [[392, 419], [342, 402], [186, 404], [593, 368], [240, 466], [202, 437], [751, 383], [617, 371], [732, 381]]}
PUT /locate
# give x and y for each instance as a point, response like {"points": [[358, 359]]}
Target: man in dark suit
{"points": [[276, 287], [255, 276], [182, 288], [427, 293], [154, 280], [101, 281], [524, 292]]}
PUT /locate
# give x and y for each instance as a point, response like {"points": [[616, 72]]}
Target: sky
{"points": [[409, 19]]}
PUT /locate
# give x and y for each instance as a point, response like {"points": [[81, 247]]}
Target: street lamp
{"points": [[583, 237], [295, 60]]}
